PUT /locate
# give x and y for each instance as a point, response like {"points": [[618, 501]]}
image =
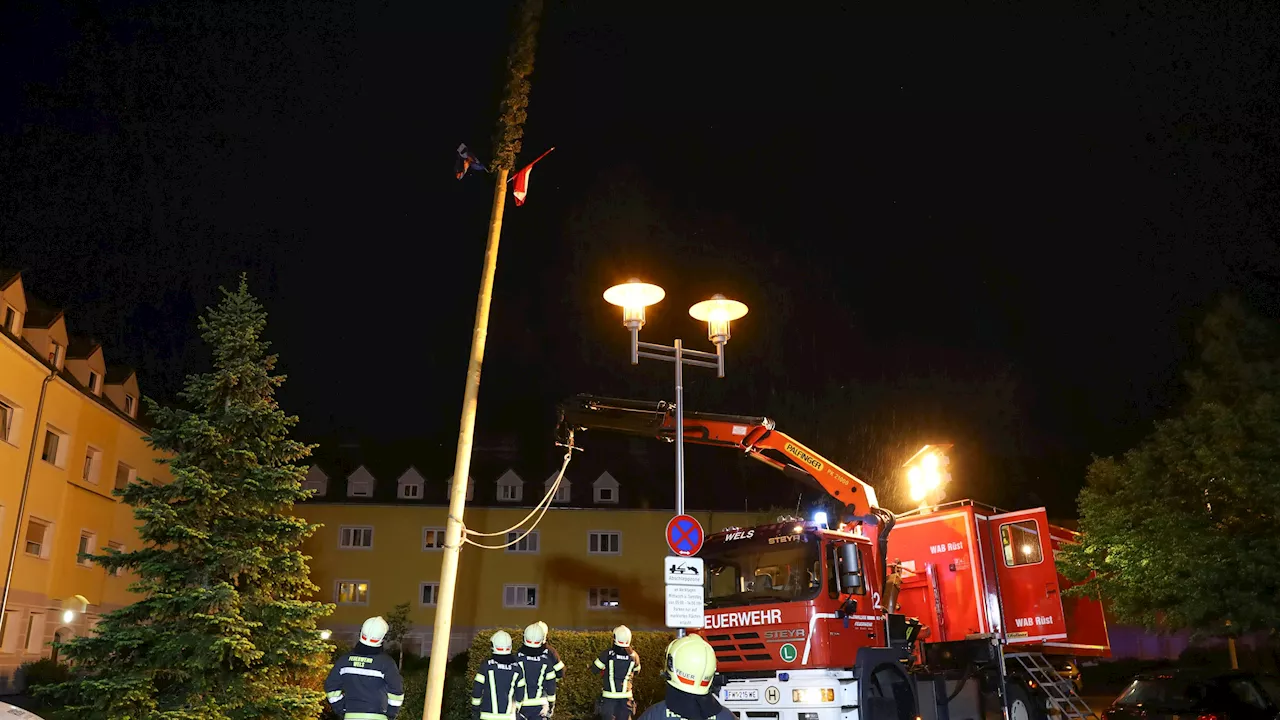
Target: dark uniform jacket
{"points": [[617, 665], [542, 673], [684, 706], [499, 689], [365, 685]]}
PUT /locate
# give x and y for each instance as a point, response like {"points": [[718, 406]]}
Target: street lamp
{"points": [[927, 475], [633, 297]]}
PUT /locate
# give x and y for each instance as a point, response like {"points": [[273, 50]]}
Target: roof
{"points": [[80, 347], [40, 315], [7, 276], [118, 374]]}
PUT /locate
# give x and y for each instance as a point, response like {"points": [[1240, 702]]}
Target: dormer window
{"points": [[410, 484], [360, 483], [510, 487], [11, 320], [562, 492], [56, 354], [129, 405], [606, 489], [316, 481], [471, 488], [95, 382]]}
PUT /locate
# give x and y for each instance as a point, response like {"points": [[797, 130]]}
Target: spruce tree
{"points": [[222, 627]]}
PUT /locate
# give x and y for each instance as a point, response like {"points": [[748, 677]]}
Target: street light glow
{"points": [[717, 313], [634, 295], [325, 634], [68, 616], [926, 473]]}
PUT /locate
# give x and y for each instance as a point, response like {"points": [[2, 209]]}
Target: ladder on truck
{"points": [[1060, 691]]}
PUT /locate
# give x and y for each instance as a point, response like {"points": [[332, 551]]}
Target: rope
{"points": [[540, 510]]}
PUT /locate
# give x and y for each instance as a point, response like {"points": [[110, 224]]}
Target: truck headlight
{"points": [[811, 696]]}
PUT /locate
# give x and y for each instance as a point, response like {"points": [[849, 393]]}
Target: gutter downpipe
{"points": [[22, 502]]}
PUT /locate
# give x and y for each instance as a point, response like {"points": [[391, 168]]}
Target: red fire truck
{"points": [[954, 613]]}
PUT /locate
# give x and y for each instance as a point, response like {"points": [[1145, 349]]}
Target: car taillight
{"points": [[1211, 716]]}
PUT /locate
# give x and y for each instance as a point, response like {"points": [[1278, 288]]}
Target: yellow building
{"points": [[593, 562], [69, 433]]}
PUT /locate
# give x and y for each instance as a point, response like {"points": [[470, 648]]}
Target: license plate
{"points": [[741, 695]]}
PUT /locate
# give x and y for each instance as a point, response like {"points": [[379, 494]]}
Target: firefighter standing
{"points": [[691, 681], [617, 665], [365, 683], [500, 683], [542, 672]]}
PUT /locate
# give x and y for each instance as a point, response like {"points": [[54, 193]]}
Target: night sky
{"points": [[985, 224]]}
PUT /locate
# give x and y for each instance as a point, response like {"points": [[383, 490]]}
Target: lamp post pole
{"points": [[633, 297]]}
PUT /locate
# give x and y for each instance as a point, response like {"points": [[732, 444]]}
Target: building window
{"points": [[429, 593], [526, 544], [562, 493], [353, 592], [606, 495], [95, 382], [1021, 541], [87, 547], [360, 488], [129, 403], [38, 538], [54, 450], [520, 596], [8, 422], [118, 547], [410, 491], [602, 598], [35, 633], [432, 538], [55, 354], [92, 465], [510, 493], [124, 475], [355, 538], [9, 632], [11, 319], [471, 489], [604, 543]]}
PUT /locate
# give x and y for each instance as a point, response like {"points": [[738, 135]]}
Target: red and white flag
{"points": [[521, 188]]}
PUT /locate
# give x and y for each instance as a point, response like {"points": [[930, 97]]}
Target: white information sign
{"points": [[685, 606], [682, 570]]}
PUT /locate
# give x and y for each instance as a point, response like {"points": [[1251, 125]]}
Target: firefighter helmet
{"points": [[534, 635], [546, 631], [691, 665], [622, 636], [501, 643], [373, 630]]}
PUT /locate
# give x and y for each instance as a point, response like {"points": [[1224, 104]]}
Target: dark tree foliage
{"points": [[515, 98], [223, 628], [1181, 531]]}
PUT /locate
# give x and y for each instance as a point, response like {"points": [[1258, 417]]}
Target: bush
{"points": [[457, 686], [577, 693], [43, 672]]}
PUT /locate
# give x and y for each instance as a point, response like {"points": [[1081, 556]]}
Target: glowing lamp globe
{"points": [[633, 297], [717, 313]]}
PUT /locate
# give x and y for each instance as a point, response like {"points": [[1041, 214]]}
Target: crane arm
{"points": [[754, 436]]}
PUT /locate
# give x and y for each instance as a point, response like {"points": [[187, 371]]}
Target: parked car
{"points": [[1186, 694]]}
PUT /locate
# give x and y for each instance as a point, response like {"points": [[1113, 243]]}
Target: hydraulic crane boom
{"points": [[755, 436]]}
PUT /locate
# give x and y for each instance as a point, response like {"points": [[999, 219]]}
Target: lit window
{"points": [[353, 592], [92, 465], [432, 538], [520, 596], [526, 544], [37, 538], [429, 593], [86, 547], [602, 598], [604, 543], [124, 475], [128, 405], [1021, 541], [355, 538]]}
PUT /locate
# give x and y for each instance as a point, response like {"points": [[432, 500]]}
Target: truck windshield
{"points": [[750, 573]]}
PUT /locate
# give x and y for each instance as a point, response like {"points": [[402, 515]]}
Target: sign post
{"points": [[683, 572]]}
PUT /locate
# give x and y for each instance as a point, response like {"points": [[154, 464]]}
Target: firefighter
{"points": [[542, 672], [617, 665], [500, 684], [365, 682], [691, 683]]}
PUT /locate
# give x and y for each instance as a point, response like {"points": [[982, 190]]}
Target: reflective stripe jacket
{"points": [[499, 689], [365, 685], [660, 712], [617, 665], [542, 671]]}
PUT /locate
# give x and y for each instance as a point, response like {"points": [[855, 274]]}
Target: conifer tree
{"points": [[222, 628]]}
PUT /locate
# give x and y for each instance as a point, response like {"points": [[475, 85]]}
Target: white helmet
{"points": [[546, 632], [622, 636], [691, 665], [534, 635], [373, 630], [501, 643]]}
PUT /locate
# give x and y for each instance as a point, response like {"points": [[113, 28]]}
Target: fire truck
{"points": [[953, 612]]}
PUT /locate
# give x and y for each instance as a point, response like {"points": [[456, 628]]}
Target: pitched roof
{"points": [[7, 276], [40, 315], [80, 347], [118, 374]]}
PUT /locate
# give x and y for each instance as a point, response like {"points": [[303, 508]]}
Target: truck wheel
{"points": [[1022, 704], [888, 694]]}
